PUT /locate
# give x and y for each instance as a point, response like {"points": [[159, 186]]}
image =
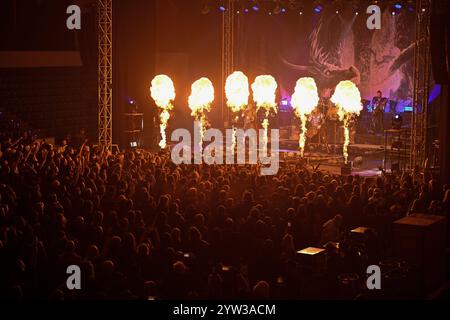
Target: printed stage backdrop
{"points": [[330, 47]]}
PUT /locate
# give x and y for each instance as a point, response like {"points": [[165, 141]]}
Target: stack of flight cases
{"points": [[420, 240]]}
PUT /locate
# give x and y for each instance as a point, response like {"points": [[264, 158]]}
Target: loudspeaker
{"points": [[420, 239]]}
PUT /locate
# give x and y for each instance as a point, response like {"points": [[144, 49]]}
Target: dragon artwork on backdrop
{"points": [[377, 60]]}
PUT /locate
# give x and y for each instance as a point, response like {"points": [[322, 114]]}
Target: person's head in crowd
{"points": [[130, 218], [261, 291], [179, 268]]}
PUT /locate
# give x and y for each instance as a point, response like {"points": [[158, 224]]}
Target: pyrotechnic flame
{"points": [[264, 94], [265, 125], [237, 92], [348, 100], [304, 101], [163, 93], [202, 95], [164, 117]]}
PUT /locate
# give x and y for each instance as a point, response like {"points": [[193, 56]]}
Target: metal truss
{"points": [[421, 84], [105, 73], [227, 50]]}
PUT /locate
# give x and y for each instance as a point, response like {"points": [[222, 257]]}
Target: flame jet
{"points": [[347, 98], [200, 100], [264, 94], [237, 92], [162, 91], [304, 101]]}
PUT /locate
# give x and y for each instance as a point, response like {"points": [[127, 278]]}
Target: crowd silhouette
{"points": [[141, 227]]}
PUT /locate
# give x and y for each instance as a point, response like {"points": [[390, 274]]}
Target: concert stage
{"points": [[367, 159]]}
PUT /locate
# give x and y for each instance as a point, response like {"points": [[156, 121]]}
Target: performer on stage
{"points": [[250, 118], [378, 105], [317, 124]]}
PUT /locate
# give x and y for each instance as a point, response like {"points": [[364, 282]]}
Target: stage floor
{"points": [[366, 158], [367, 164]]}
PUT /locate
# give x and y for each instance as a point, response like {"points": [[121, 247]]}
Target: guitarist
{"points": [[378, 105]]}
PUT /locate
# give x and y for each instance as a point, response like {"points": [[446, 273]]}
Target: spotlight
{"points": [[300, 13], [398, 6], [132, 105], [356, 13], [318, 8], [337, 11], [397, 121], [245, 10], [255, 6], [393, 13], [283, 10], [222, 8]]}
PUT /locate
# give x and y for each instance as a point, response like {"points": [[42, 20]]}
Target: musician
{"points": [[250, 118], [318, 124], [378, 105]]}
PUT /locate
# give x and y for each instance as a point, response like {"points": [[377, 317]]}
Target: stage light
{"points": [[337, 11], [318, 8], [393, 13], [283, 10], [356, 13], [222, 8], [245, 10], [300, 13], [132, 105], [398, 6], [397, 121]]}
